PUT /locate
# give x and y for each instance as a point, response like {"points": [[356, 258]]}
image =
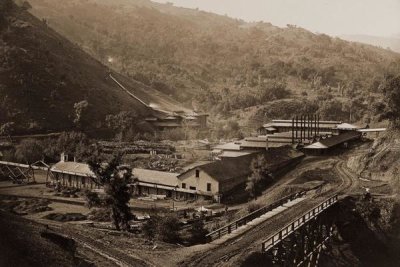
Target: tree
{"points": [[258, 177], [80, 107], [76, 144], [391, 91], [150, 227], [29, 151], [114, 178], [198, 232], [168, 229], [121, 123]]}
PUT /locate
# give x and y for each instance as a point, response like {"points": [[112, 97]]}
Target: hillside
{"points": [[43, 76], [220, 64], [392, 43]]}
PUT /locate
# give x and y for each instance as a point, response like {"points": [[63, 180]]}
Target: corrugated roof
{"points": [[156, 177], [70, 167], [334, 140]]}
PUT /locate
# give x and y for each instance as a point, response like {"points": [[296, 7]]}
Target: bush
{"points": [[100, 215], [92, 199], [253, 207], [168, 229], [198, 233], [150, 227]]}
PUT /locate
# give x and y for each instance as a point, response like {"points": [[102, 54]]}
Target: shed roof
{"points": [[347, 126], [334, 140], [288, 123], [233, 154], [229, 146], [156, 177], [70, 167]]}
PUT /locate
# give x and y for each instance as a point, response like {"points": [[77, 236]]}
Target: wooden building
{"points": [[219, 178], [72, 174], [279, 126], [323, 146]]}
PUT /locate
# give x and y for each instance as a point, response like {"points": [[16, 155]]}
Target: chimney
{"points": [[63, 157]]}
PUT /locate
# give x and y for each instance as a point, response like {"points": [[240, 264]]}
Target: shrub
{"points": [[150, 227], [168, 229], [198, 233], [253, 207]]}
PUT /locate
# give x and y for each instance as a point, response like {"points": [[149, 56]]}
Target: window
{"points": [[208, 187], [183, 185], [192, 188], [197, 173]]}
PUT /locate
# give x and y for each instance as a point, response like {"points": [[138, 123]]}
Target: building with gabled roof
{"points": [[220, 177], [323, 145]]}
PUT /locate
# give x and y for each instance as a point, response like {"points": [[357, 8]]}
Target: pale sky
{"points": [[333, 17]]}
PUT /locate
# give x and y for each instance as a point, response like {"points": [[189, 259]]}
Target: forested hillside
{"points": [[49, 84], [220, 64]]}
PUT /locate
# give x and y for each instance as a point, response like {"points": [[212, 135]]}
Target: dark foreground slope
{"points": [[43, 75], [22, 244]]}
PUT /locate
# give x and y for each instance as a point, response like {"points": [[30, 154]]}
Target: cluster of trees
{"points": [[226, 100], [390, 109], [224, 65], [31, 150]]}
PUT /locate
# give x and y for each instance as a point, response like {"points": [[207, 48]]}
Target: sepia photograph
{"points": [[199, 133]]}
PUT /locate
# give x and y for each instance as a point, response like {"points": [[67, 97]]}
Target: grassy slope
{"points": [[42, 75]]}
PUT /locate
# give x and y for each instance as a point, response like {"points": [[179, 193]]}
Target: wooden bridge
{"points": [[21, 173], [299, 243]]}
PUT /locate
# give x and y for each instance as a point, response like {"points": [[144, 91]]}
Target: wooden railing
{"points": [[227, 229], [277, 237]]}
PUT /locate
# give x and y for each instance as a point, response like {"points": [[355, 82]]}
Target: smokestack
{"points": [[292, 130], [302, 128], [297, 127]]}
